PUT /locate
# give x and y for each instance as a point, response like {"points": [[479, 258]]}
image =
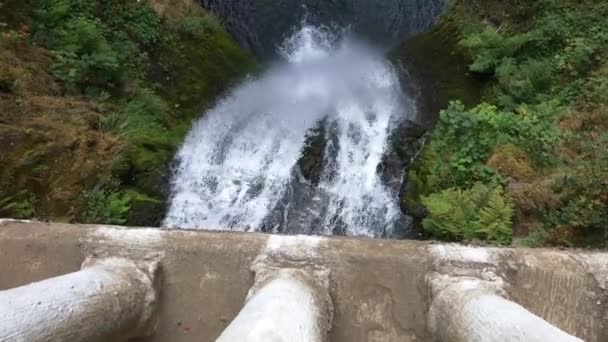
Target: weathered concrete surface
{"points": [[109, 299], [379, 288]]}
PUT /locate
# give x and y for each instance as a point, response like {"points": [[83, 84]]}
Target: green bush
{"points": [[583, 214], [97, 44], [84, 57], [565, 42], [490, 49], [479, 213], [524, 82], [135, 21], [105, 204], [463, 140], [145, 114]]}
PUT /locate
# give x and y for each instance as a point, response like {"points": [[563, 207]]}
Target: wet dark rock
{"points": [[435, 69], [312, 161], [405, 143]]}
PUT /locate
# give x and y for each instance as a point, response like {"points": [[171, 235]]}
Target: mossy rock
{"points": [[193, 69], [440, 67]]}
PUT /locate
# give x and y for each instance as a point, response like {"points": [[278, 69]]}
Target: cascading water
{"points": [[239, 166]]}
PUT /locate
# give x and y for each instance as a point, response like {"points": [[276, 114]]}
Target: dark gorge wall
{"points": [[260, 25]]}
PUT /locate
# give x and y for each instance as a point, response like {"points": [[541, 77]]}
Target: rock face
{"points": [[261, 25]]}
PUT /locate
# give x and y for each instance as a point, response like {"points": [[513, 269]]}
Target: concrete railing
{"points": [[284, 307], [108, 300], [160, 285], [465, 311]]}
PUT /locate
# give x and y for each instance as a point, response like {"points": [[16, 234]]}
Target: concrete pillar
{"points": [[465, 311], [107, 300], [284, 307]]}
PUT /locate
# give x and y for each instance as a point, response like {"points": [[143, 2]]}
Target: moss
{"points": [[440, 65], [193, 70]]}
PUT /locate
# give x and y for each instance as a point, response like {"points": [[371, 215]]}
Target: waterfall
{"points": [[238, 168]]}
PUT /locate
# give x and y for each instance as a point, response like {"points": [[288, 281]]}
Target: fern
{"points": [[489, 48], [479, 213], [495, 219], [106, 204]]}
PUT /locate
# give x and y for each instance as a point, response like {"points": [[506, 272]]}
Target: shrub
{"points": [[97, 44], [84, 59], [479, 213], [540, 69], [523, 82], [584, 198], [463, 140], [489, 48], [135, 21], [145, 114], [105, 204]]}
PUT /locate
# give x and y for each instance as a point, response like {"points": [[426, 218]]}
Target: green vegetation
{"points": [[105, 204], [537, 139], [479, 213], [105, 91]]}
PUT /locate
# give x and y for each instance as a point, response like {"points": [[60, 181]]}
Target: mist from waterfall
{"points": [[240, 159]]}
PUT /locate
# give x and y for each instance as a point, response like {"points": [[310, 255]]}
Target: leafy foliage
{"points": [[565, 43], [145, 113], [96, 43], [463, 140], [546, 75], [479, 213], [583, 216], [84, 57], [106, 204], [490, 49]]}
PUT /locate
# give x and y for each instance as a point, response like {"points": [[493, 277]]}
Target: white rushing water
{"points": [[238, 160]]}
